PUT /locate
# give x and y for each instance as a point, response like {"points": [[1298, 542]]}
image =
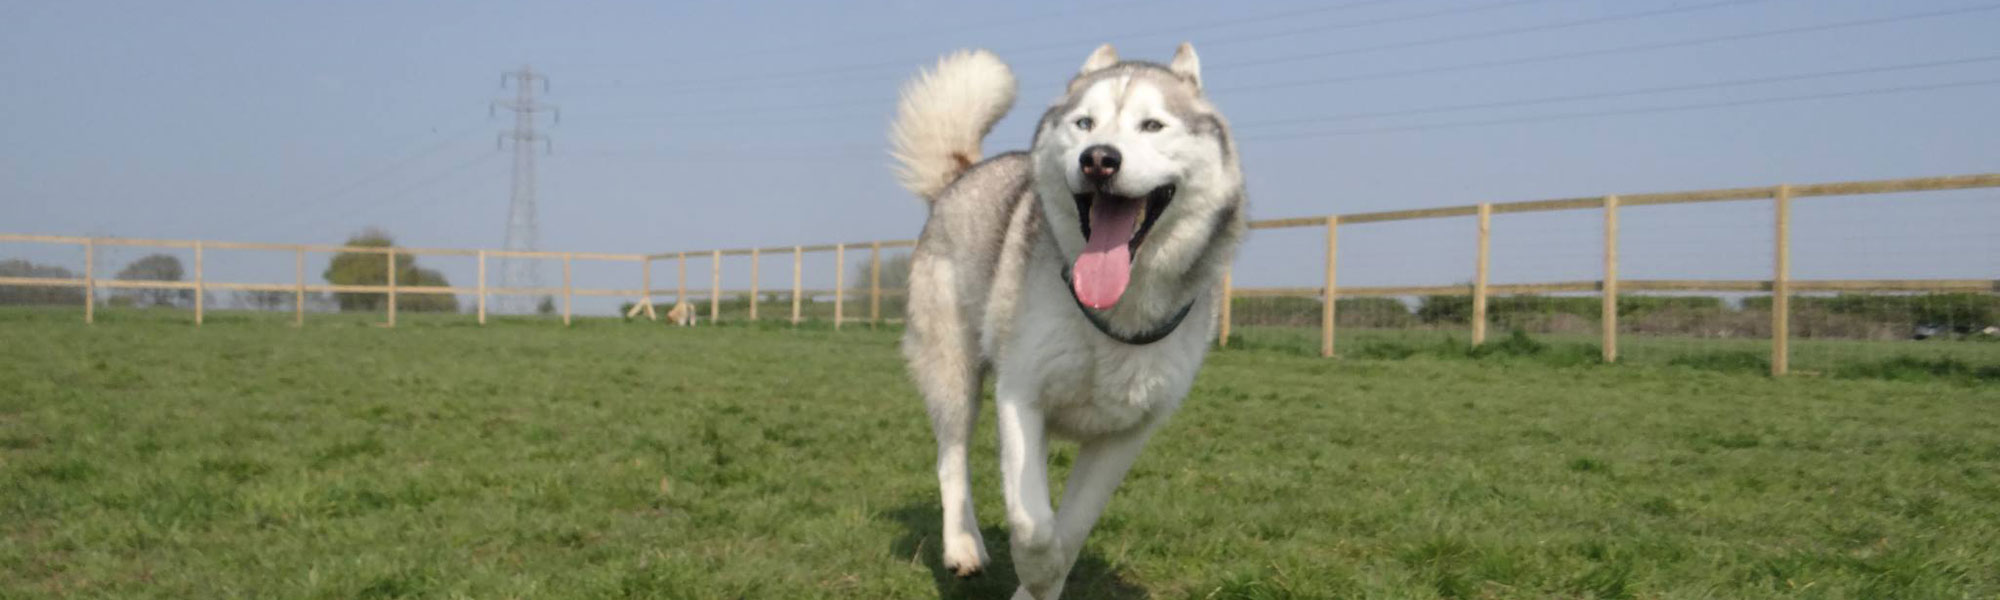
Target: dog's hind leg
{"points": [[954, 407], [943, 353]]}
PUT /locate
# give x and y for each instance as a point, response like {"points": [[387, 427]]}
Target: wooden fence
{"points": [[200, 285], [798, 291], [1781, 286]]}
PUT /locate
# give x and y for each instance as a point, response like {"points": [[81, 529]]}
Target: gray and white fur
{"points": [[989, 288]]}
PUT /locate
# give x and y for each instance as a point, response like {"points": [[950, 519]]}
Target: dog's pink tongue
{"points": [[1101, 273]]}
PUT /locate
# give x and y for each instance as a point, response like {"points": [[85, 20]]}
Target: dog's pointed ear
{"points": [[1186, 64], [1105, 56]]}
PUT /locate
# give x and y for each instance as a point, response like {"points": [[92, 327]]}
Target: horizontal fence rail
{"points": [[1780, 285], [645, 292]]}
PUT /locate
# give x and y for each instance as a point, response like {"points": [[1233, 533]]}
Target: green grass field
{"points": [[143, 457], [1899, 359]]}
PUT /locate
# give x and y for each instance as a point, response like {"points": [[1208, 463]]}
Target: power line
{"points": [[457, 136], [882, 37], [401, 210], [884, 103], [838, 72], [1625, 92], [898, 67], [1322, 28], [1283, 15], [706, 155], [1599, 95], [319, 201], [1491, 33], [1626, 112], [1473, 66], [1525, 60], [862, 152], [1451, 12], [414, 142], [297, 221], [1305, 56]]}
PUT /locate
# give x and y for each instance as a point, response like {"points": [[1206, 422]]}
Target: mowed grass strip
{"points": [[244, 459]]}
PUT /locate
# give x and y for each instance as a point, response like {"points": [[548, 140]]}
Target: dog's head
{"points": [[1136, 172]]}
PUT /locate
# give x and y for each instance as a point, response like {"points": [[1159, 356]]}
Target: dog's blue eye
{"points": [[1085, 123], [1151, 125]]}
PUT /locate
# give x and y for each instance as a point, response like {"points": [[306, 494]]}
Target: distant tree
{"points": [[264, 299], [410, 275], [357, 268], [547, 306], [321, 302], [1435, 309], [895, 272], [155, 267], [15, 267], [368, 268]]}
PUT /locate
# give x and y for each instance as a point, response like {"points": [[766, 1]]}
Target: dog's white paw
{"points": [[1039, 564], [964, 553], [1023, 593]]}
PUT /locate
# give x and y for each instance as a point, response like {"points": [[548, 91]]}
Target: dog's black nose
{"points": [[1099, 163]]}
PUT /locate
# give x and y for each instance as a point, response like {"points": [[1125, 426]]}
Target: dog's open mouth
{"points": [[1113, 228]]}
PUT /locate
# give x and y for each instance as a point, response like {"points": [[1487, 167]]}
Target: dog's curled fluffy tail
{"points": [[943, 114]]}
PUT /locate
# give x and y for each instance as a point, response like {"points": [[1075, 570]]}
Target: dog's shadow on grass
{"points": [[922, 538]]}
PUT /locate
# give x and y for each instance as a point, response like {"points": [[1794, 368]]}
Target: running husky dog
{"points": [[1083, 273]]}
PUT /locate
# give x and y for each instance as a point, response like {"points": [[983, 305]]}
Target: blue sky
{"points": [[697, 125]]}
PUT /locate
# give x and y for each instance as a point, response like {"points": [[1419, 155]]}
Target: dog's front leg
{"points": [[1100, 466], [1038, 552]]}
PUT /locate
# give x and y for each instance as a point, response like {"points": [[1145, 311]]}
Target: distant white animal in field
{"points": [[682, 314], [1082, 274]]}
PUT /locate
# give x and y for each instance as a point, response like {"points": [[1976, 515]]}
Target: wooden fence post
{"points": [[391, 256], [681, 285], [1327, 309], [755, 254], [1781, 284], [874, 284], [89, 281], [200, 286], [299, 286], [482, 287], [1479, 275], [646, 285], [715, 287], [798, 269], [1222, 325], [839, 282], [1610, 314], [566, 288]]}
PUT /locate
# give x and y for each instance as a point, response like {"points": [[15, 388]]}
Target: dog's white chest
{"points": [[1114, 390], [1092, 385]]}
